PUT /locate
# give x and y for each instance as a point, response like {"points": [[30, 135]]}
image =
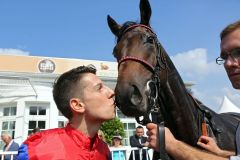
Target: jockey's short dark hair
{"points": [[65, 88]]}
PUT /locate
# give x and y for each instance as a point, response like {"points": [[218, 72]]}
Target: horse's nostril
{"points": [[136, 97]]}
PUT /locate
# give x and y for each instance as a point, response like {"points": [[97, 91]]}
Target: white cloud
{"points": [[11, 51], [210, 79], [194, 64]]}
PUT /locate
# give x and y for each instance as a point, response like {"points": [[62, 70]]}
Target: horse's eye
{"points": [[150, 39]]}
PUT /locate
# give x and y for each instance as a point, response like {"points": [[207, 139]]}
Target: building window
{"points": [[62, 124], [8, 127], [37, 110], [34, 124], [129, 129], [120, 114], [9, 111], [60, 113]]}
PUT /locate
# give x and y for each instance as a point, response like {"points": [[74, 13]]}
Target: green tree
{"points": [[111, 128]]}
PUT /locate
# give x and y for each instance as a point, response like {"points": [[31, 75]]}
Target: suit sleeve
{"points": [[134, 142], [14, 147], [144, 139]]}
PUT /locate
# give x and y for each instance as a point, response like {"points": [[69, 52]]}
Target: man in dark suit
{"points": [[138, 140], [10, 145]]}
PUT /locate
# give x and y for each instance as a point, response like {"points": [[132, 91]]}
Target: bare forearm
{"points": [[177, 149], [227, 154], [182, 151], [209, 144]]}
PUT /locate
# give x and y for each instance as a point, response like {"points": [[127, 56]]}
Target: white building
{"points": [[26, 100]]}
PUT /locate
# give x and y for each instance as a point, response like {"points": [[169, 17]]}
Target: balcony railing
{"points": [[126, 150], [11, 153]]}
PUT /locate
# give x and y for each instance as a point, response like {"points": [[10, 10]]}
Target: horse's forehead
{"points": [[139, 30], [131, 42], [133, 37]]}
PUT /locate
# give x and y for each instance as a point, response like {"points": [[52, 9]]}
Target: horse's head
{"points": [[139, 57]]}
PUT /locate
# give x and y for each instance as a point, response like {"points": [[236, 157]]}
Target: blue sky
{"points": [[188, 30]]}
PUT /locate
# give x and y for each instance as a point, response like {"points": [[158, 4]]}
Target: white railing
{"points": [[11, 153], [126, 150]]}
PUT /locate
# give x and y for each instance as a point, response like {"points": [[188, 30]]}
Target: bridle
{"points": [[154, 84]]}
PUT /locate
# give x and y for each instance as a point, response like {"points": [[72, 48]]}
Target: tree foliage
{"points": [[111, 128]]}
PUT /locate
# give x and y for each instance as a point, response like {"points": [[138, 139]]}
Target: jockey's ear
{"points": [[115, 28], [77, 106], [145, 11]]}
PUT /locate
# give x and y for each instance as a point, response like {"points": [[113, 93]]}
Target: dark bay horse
{"points": [[148, 81]]}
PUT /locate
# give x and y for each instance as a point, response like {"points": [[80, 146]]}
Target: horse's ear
{"points": [[145, 10], [115, 28]]}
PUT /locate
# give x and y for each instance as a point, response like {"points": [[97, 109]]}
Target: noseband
{"points": [[155, 81]]}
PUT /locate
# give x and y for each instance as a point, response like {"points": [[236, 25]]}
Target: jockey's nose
{"points": [[111, 92]]}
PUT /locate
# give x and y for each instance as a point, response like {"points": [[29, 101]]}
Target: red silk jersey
{"points": [[63, 144]]}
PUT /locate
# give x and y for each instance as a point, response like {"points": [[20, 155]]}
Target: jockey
{"points": [[82, 98]]}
